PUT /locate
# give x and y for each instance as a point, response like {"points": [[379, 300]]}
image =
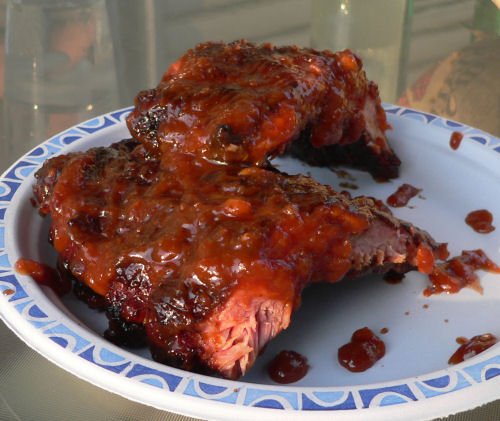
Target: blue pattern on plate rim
{"points": [[331, 399]]}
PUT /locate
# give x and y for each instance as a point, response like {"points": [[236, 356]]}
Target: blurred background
{"points": [[64, 61]]}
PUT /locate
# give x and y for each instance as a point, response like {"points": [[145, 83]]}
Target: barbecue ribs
{"points": [[243, 103], [210, 260]]}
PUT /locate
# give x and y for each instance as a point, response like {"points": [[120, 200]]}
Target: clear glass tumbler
{"points": [[377, 30], [59, 69]]}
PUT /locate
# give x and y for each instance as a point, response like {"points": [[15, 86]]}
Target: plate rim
{"points": [[217, 402]]}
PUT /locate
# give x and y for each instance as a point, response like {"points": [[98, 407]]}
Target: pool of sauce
{"points": [[402, 195], [455, 140], [288, 367], [480, 221], [472, 347], [362, 352], [43, 275]]}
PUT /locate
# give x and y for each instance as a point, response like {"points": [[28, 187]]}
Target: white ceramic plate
{"points": [[412, 381]]}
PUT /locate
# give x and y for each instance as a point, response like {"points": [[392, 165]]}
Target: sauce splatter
{"points": [[384, 330], [455, 140], [425, 259], [393, 277], [459, 272], [402, 195], [472, 347], [480, 221], [8, 291], [43, 275], [288, 367], [364, 350]]}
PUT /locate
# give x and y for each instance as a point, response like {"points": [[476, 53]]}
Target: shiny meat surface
{"points": [[209, 260], [243, 103]]}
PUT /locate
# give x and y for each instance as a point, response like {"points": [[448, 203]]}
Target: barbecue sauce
{"points": [[480, 221], [455, 140], [472, 347], [43, 275], [459, 272], [402, 195], [364, 350], [288, 367]]}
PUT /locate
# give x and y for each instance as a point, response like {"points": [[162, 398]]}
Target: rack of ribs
{"points": [[208, 261], [243, 103], [197, 244]]}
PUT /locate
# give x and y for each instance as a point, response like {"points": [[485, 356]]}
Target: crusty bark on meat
{"points": [[241, 102], [210, 260]]}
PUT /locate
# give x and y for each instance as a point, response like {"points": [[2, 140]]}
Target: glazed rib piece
{"points": [[243, 103], [210, 260]]}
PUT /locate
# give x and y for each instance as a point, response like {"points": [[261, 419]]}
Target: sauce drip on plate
{"points": [[480, 221], [364, 350], [43, 275], [459, 272], [288, 367], [402, 195], [455, 140], [472, 347]]}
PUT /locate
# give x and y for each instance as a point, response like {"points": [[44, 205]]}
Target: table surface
{"points": [[434, 55]]}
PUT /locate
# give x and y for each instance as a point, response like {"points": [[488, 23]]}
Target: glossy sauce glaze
{"points": [[217, 228], [402, 195], [459, 272], [242, 103], [456, 140], [43, 275], [472, 347], [362, 352], [288, 367], [480, 221]]}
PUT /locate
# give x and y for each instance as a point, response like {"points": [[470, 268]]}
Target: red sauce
{"points": [[8, 291], [459, 272], [288, 367], [480, 221], [384, 330], [455, 140], [425, 259], [461, 340], [472, 347], [364, 350], [393, 277], [402, 195], [43, 275]]}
